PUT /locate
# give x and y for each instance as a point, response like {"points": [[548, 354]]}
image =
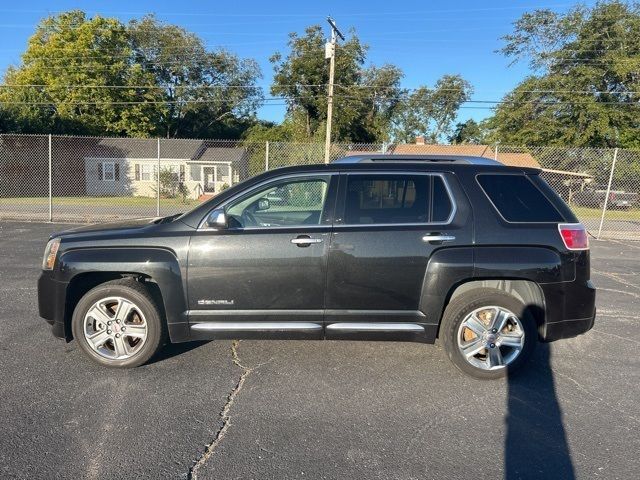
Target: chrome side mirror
{"points": [[217, 219]]}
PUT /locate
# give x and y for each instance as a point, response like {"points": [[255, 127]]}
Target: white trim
{"points": [[568, 174], [152, 171]]}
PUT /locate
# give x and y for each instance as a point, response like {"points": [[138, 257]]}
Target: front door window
{"points": [[298, 202]]}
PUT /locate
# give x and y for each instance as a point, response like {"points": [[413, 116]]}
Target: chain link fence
{"points": [[91, 179], [600, 185]]}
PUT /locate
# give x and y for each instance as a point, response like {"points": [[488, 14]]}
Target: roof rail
{"points": [[380, 157]]}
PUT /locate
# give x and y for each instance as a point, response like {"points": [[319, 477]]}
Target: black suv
{"points": [[485, 257]]}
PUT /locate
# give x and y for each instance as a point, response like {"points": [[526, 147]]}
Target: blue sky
{"points": [[426, 39]]}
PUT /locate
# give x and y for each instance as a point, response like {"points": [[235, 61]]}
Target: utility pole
{"points": [[330, 53]]}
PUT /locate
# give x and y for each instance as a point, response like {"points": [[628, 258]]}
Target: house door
{"points": [[216, 177], [209, 176]]}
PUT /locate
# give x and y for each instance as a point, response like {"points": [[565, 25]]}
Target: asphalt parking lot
{"points": [[330, 410]]}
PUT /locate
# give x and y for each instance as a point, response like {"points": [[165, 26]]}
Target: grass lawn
{"points": [[584, 213], [101, 201]]}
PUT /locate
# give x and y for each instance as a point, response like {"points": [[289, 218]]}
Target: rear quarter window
{"points": [[518, 199]]}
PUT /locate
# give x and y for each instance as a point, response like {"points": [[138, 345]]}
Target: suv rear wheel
{"points": [[487, 333], [118, 324]]}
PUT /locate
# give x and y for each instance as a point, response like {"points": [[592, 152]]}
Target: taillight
{"points": [[612, 196], [574, 236]]}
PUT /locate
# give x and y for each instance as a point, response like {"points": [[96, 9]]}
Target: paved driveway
{"points": [[272, 409]]}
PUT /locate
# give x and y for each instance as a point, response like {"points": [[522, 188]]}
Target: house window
{"points": [[147, 172], [173, 169], [109, 172]]}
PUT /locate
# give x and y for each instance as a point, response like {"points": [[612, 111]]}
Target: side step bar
{"points": [[286, 326], [374, 327], [394, 331], [309, 330], [255, 326]]}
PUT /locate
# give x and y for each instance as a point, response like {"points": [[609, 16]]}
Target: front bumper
{"points": [[52, 304], [570, 310]]}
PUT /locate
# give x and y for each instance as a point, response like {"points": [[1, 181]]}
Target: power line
{"points": [[289, 99], [132, 102], [304, 15], [520, 91], [364, 39], [158, 87], [317, 85], [70, 68]]}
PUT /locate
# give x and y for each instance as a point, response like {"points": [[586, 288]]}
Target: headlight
{"points": [[50, 254]]}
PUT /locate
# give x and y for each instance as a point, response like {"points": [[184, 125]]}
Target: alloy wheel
{"points": [[115, 328], [490, 338]]}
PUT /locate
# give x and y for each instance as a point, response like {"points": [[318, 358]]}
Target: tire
{"points": [[140, 328], [518, 328]]}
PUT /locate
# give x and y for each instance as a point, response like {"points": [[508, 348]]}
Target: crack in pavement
{"points": [[619, 291], [598, 399], [625, 244], [615, 277], [224, 414], [620, 313], [616, 336]]}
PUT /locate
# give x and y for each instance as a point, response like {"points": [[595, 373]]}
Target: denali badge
{"points": [[215, 302]]}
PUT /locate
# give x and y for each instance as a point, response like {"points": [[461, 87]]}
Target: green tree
{"points": [[364, 98], [586, 83], [7, 121], [54, 89], [256, 136], [430, 112], [380, 96], [207, 94], [469, 131], [263, 131], [98, 76]]}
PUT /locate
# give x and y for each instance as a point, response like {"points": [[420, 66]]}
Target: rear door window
{"points": [[396, 199], [517, 198]]}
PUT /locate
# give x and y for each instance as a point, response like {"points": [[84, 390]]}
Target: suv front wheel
{"points": [[118, 324], [487, 333]]}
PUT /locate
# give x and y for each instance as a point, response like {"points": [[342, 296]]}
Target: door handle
{"points": [[305, 240], [438, 238]]}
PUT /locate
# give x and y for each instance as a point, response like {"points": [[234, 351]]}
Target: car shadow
{"points": [[176, 349], [536, 443]]}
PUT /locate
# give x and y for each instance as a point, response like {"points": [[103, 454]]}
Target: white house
{"points": [[199, 167]]}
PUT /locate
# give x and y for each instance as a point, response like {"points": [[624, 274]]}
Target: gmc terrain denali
{"points": [[485, 257]]}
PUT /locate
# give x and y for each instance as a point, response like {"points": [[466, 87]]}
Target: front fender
{"points": [[158, 264]]}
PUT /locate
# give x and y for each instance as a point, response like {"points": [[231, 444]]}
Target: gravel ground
{"points": [[276, 409]]}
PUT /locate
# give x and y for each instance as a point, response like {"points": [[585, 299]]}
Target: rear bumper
{"points": [[567, 328], [51, 304], [570, 310]]}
